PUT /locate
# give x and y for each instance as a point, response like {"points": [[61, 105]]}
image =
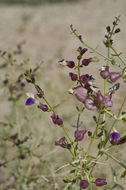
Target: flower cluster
{"points": [[93, 99], [15, 88]]}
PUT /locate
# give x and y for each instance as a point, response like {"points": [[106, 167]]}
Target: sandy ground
{"points": [[48, 39]]}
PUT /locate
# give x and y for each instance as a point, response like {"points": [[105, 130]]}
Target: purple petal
{"points": [[107, 100], [30, 101], [114, 76], [80, 93], [90, 105], [114, 135], [105, 73]]}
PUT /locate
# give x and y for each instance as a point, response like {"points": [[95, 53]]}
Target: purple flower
{"points": [[99, 98], [114, 76], [105, 73], [90, 105], [79, 135], [84, 78], [70, 64], [73, 76], [107, 100], [43, 107], [30, 101], [85, 62], [84, 184], [62, 142], [114, 138], [22, 84], [83, 51], [56, 120], [114, 135], [100, 182], [80, 93]]}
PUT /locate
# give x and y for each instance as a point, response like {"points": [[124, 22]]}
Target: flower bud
{"points": [[79, 57], [83, 51], [122, 140], [43, 107], [14, 136], [6, 81], [80, 37], [85, 62], [89, 133], [79, 134], [56, 119], [108, 29], [70, 64], [117, 30], [105, 73], [100, 134], [100, 182], [84, 78], [84, 184], [73, 76]]}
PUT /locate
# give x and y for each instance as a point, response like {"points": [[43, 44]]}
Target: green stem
{"points": [[79, 72], [49, 105], [65, 188], [107, 138], [17, 119], [78, 121], [94, 50], [113, 158], [89, 182], [94, 134], [67, 134], [7, 60], [117, 55]]}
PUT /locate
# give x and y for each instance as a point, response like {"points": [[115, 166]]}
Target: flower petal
{"points": [[30, 101]]}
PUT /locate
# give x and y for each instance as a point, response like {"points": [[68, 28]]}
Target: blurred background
{"points": [[44, 26], [33, 2]]}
